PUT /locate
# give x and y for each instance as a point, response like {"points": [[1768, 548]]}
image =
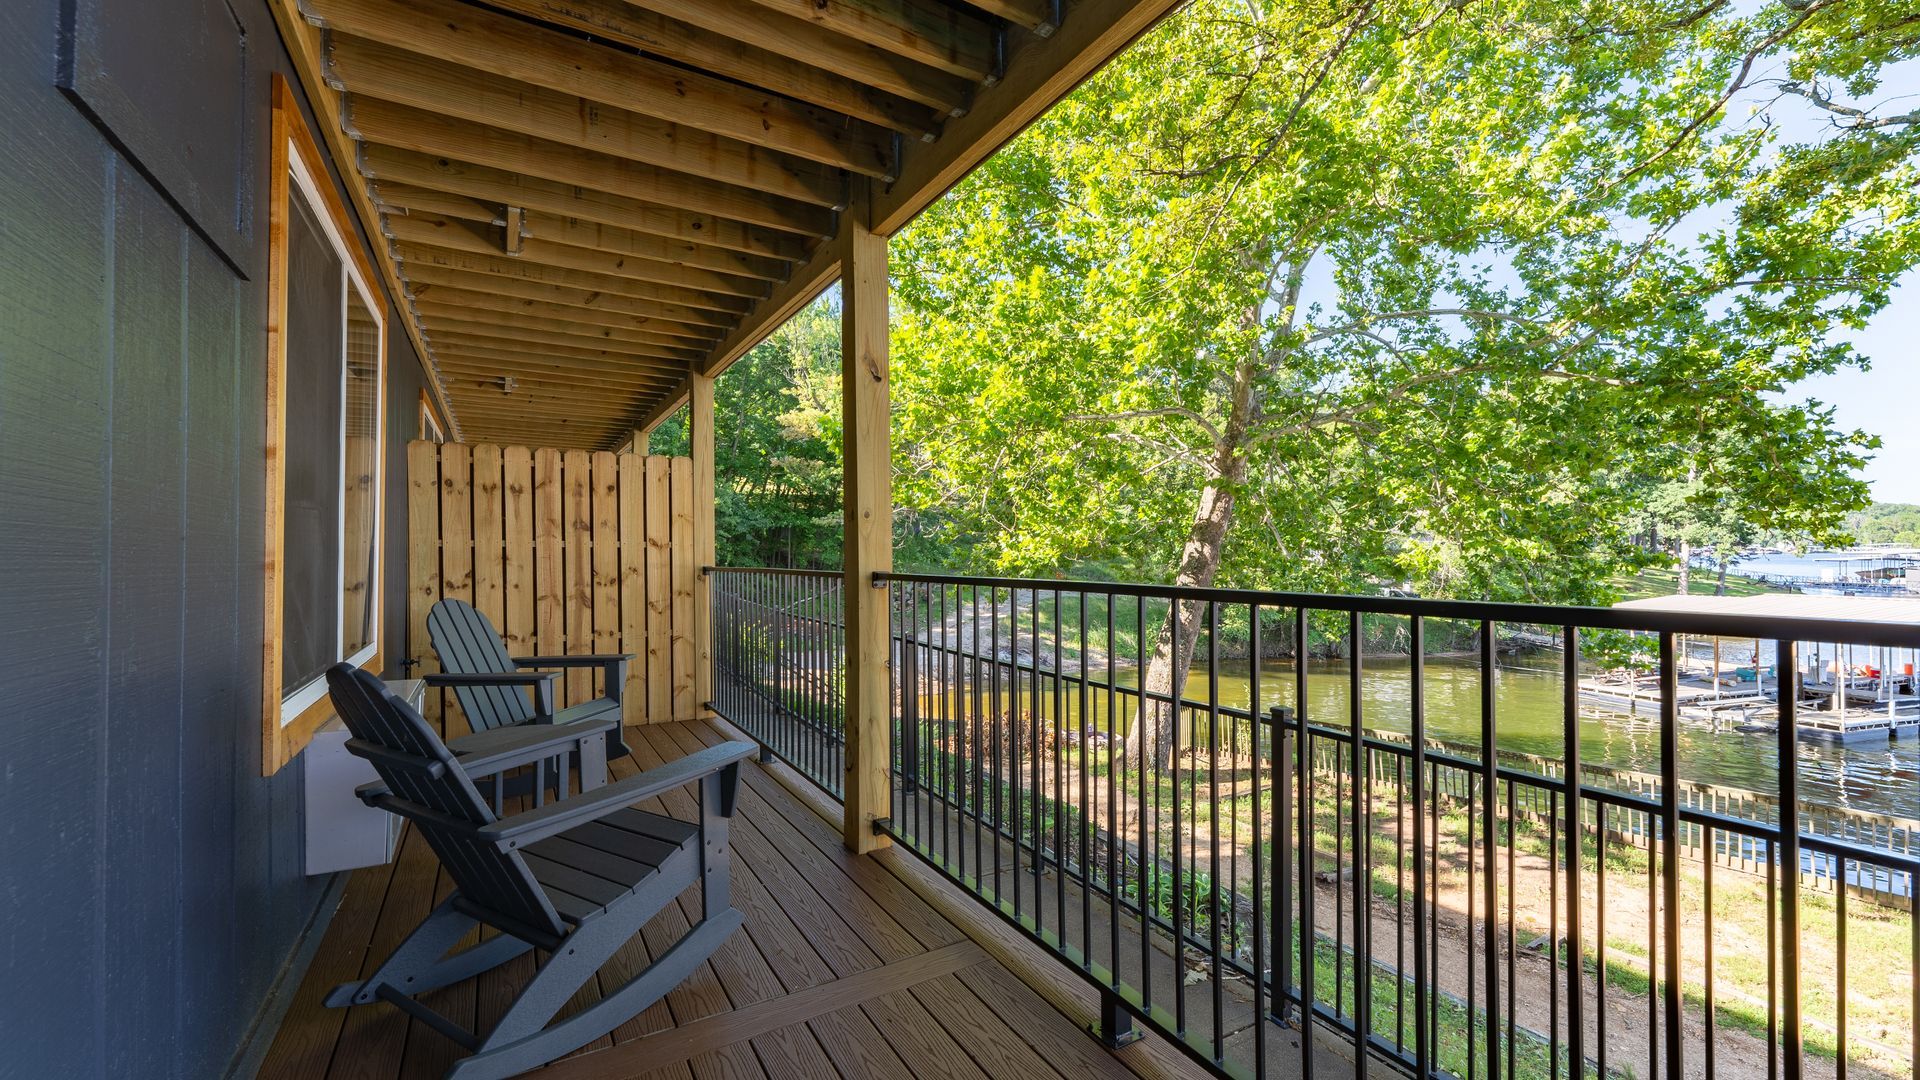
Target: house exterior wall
{"points": [[150, 879]]}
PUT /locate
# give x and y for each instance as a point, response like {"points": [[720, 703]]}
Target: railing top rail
{"points": [[1771, 628], [773, 570]]}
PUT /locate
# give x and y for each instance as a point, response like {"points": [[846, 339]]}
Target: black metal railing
{"points": [[779, 665], [1313, 867]]}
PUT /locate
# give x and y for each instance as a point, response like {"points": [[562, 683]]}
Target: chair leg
{"points": [[414, 960], [496, 1059]]}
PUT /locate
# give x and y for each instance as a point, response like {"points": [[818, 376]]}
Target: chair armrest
{"points": [[613, 666], [525, 828], [484, 753], [490, 678], [541, 681]]}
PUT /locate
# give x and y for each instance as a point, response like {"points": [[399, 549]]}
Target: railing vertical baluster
{"points": [[1787, 683], [1840, 971], [1706, 958], [1570, 736], [1177, 684], [1422, 972], [1114, 833], [1082, 744], [1773, 950], [1306, 933], [1142, 738], [1214, 913], [1058, 808], [1266, 973], [999, 782], [1670, 848], [1600, 941], [1490, 784], [1362, 849]]}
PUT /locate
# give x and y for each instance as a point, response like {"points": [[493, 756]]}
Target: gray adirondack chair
{"points": [[492, 686], [576, 878]]}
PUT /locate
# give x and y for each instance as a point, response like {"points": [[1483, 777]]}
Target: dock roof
{"points": [[1880, 609]]}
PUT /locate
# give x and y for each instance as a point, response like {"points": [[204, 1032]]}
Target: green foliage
{"points": [[777, 447], [1886, 523], [1415, 292]]}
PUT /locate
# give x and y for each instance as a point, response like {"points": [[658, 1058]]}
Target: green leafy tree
{"points": [[1339, 294], [777, 447]]}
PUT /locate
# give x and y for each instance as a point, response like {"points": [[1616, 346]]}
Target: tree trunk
{"points": [[1199, 561], [1720, 587], [1686, 568]]}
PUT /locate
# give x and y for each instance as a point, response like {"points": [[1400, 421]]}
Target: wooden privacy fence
{"points": [[567, 551]]}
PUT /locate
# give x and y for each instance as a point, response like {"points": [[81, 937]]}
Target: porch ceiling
{"points": [[596, 198]]}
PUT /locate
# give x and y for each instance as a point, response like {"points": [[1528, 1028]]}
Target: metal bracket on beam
{"points": [[1058, 12]]}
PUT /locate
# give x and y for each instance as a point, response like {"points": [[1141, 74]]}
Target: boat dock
{"points": [[1846, 693]]}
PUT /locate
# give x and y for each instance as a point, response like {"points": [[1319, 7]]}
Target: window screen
{"points": [[310, 578]]}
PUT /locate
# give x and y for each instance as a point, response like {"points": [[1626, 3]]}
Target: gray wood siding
{"points": [[150, 879]]}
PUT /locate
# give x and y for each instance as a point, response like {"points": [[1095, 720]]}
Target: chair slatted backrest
{"points": [[467, 644], [437, 801]]}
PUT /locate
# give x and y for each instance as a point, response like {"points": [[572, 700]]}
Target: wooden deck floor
{"points": [[847, 967]]}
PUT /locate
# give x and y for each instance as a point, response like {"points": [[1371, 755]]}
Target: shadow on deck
{"points": [[847, 967]]}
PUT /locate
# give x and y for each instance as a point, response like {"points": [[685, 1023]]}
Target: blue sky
{"points": [[1886, 400]]}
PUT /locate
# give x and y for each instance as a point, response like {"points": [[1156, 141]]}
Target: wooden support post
{"points": [[641, 436], [867, 547], [700, 440]]}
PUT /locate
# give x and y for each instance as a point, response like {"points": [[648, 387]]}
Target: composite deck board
{"points": [[847, 966]]}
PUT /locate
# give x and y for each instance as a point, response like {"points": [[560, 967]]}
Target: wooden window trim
{"points": [[283, 736], [431, 429]]}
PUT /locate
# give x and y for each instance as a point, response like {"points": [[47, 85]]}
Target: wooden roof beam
{"points": [[374, 70], [513, 292], [517, 307], [1039, 74], [433, 133], [433, 230], [490, 185], [520, 50], [925, 31], [503, 266], [539, 224], [655, 33], [747, 22], [436, 312], [479, 360], [465, 375], [1036, 16], [530, 339], [480, 341]]}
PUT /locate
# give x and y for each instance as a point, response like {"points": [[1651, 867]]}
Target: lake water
{"points": [[1881, 778]]}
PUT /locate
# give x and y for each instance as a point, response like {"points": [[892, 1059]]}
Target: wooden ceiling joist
{"points": [[688, 336], [683, 42], [538, 224], [482, 341], [463, 379], [508, 292], [440, 296], [599, 198], [508, 266], [443, 314], [491, 185], [434, 133], [380, 71], [924, 31], [530, 339], [433, 230], [748, 22], [558, 61]]}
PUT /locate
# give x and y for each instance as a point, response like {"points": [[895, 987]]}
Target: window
{"points": [[430, 429], [325, 399]]}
